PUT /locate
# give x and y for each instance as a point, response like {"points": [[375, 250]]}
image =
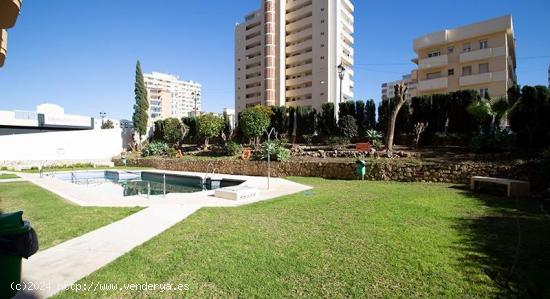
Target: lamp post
{"points": [[269, 154], [341, 74], [102, 115], [195, 97]]}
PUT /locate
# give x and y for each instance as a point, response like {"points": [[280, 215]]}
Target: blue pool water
{"points": [[146, 183]]}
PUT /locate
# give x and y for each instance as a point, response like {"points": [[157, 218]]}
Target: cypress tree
{"points": [[141, 107], [370, 114]]}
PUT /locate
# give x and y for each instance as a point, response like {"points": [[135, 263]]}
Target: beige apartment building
{"points": [[288, 53], [9, 11], [169, 96], [479, 56]]}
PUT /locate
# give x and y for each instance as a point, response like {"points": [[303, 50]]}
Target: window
{"points": [[451, 72], [466, 70], [483, 68], [450, 50], [434, 53], [322, 57], [433, 75], [466, 47], [322, 21], [484, 92], [483, 44]]}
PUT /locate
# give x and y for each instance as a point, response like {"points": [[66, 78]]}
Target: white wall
{"points": [[60, 147]]}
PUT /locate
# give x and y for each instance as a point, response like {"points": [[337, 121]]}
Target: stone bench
{"points": [[515, 188]]}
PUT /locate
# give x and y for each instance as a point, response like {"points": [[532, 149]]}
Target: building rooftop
{"points": [[486, 27]]}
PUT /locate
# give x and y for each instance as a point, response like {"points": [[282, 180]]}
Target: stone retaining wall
{"points": [[382, 169]]}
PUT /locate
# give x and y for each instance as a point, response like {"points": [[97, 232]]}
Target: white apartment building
{"points": [[169, 96], [388, 90], [288, 53]]}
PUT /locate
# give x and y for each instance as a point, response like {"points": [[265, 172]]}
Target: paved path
{"points": [[68, 262]]}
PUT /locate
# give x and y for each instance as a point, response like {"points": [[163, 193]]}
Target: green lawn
{"points": [[5, 176], [54, 219], [348, 239]]}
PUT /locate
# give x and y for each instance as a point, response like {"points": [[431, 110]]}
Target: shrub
{"points": [[348, 126], [308, 139], [277, 151], [108, 124], [373, 135], [529, 117], [336, 142], [253, 121], [327, 123], [279, 119], [156, 148], [209, 126], [494, 141], [377, 144], [232, 148], [173, 130]]}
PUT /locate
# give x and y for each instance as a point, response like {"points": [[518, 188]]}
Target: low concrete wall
{"points": [[60, 148], [394, 170]]}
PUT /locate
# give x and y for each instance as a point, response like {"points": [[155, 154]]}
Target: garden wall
{"points": [[377, 169], [61, 148]]}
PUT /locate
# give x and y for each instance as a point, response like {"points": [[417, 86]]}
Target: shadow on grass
{"points": [[510, 242]]}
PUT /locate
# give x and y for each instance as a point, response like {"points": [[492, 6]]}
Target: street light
{"points": [[196, 95], [341, 74], [102, 115]]}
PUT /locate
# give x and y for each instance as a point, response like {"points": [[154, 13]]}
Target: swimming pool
{"points": [[129, 183]]}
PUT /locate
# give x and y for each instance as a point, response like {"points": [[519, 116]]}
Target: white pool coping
{"points": [[108, 195]]}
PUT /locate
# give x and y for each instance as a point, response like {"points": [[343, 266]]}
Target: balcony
{"points": [[3, 46], [298, 69], [301, 80], [9, 11], [298, 92], [433, 84], [482, 54], [298, 58], [299, 35], [433, 62], [482, 78]]}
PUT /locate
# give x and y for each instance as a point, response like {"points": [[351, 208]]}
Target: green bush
{"points": [[232, 148], [277, 151], [308, 139], [209, 126], [373, 135], [337, 142], [495, 141], [253, 121], [155, 149], [347, 126]]}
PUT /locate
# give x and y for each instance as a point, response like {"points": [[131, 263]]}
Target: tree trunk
{"points": [[391, 127], [400, 98]]}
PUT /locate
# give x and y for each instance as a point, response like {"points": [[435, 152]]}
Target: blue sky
{"points": [[81, 54]]}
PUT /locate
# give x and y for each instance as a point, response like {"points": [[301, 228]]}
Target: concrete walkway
{"points": [[60, 266]]}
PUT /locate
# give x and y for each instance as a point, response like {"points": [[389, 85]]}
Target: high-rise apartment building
{"points": [[9, 11], [479, 56], [169, 96], [288, 53], [388, 90]]}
